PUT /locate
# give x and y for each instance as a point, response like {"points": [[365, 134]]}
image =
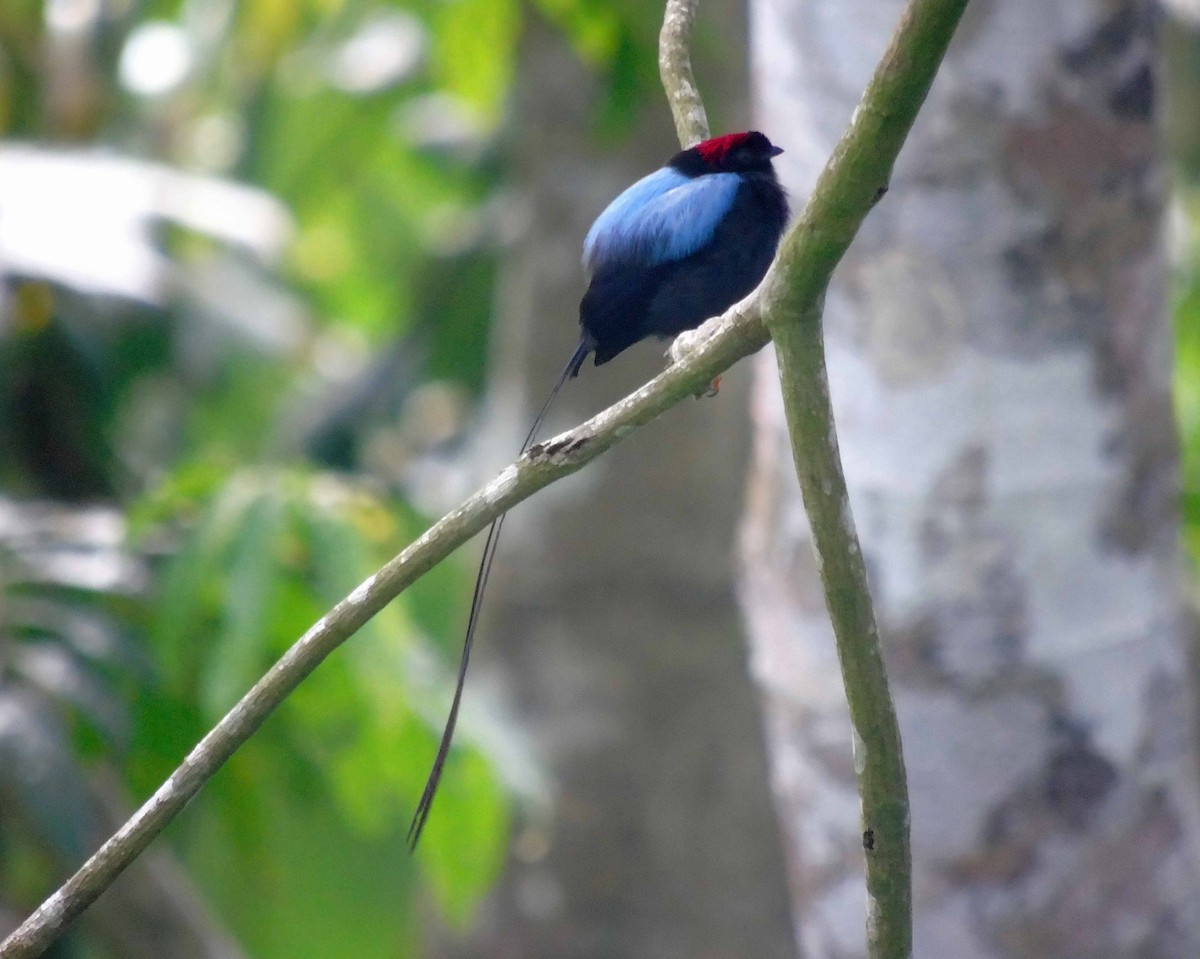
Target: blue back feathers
{"points": [[663, 217]]}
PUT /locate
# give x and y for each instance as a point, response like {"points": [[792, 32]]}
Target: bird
{"points": [[680, 245]]}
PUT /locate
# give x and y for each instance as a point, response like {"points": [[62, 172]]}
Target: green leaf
{"points": [[190, 592], [475, 43], [593, 27], [310, 886], [241, 650], [462, 851], [181, 494]]}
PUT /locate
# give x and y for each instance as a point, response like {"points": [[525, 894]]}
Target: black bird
{"points": [[679, 246]]}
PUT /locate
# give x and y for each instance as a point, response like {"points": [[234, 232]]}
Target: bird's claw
{"points": [[684, 344]]}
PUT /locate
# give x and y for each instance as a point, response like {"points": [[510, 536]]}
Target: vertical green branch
{"points": [[878, 756], [852, 182]]}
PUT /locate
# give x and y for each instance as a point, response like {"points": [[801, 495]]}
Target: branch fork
{"points": [[788, 301]]}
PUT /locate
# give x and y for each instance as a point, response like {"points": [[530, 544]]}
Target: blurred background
{"points": [[264, 313], [280, 282]]}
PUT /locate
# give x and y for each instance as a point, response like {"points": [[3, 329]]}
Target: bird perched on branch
{"points": [[679, 246]]}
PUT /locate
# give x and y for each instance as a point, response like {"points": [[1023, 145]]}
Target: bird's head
{"points": [[749, 152]]}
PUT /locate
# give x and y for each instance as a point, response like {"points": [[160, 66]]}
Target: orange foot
{"points": [[713, 388]]}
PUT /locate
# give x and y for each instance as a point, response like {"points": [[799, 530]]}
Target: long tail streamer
{"points": [[481, 580]]}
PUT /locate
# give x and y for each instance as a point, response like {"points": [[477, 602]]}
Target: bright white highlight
{"points": [[156, 59], [383, 52]]}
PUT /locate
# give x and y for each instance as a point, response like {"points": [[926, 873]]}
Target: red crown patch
{"points": [[714, 150]]}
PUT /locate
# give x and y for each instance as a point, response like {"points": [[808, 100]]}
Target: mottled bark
{"points": [[999, 361], [611, 623]]}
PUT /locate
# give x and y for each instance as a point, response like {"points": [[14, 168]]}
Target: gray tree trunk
{"points": [[999, 352], [612, 622]]}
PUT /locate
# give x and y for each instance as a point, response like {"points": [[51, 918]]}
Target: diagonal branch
{"points": [[846, 191], [739, 333]]}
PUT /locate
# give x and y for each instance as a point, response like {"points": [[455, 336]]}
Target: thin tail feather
{"points": [[586, 346], [481, 580]]}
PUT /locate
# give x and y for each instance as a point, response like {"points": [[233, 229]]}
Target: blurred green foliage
{"points": [[251, 409]]}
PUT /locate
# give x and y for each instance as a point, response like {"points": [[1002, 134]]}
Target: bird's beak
{"points": [[775, 151]]}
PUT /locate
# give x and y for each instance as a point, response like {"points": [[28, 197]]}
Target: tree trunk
{"points": [[999, 356], [612, 621]]}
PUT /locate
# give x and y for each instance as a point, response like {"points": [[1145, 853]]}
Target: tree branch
{"points": [[739, 333], [878, 757], [791, 292], [675, 69], [849, 186]]}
